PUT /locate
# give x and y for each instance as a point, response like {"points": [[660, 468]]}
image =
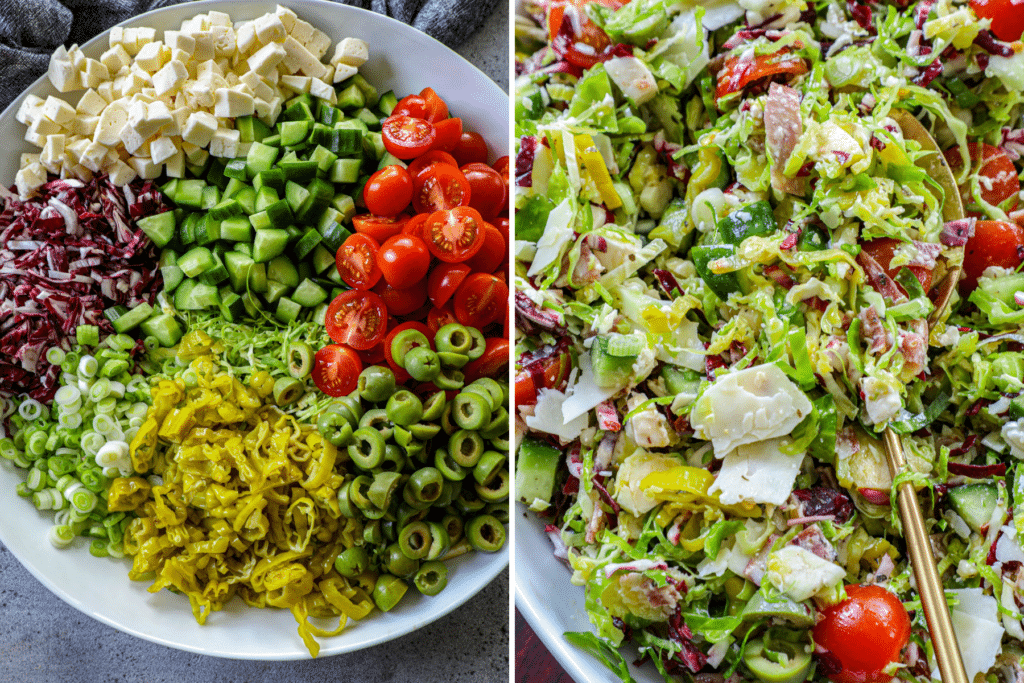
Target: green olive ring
{"points": [[368, 450], [453, 338], [494, 388], [496, 489], [388, 591], [414, 540], [447, 466], [396, 562], [485, 533], [498, 510], [452, 360], [422, 364], [489, 465], [482, 391], [425, 484], [471, 411], [431, 578], [439, 541], [405, 341], [424, 431], [376, 383], [404, 408], [377, 418], [466, 447], [383, 488], [453, 525], [352, 562], [449, 492], [394, 459], [450, 378], [479, 344], [357, 491], [467, 503], [345, 504], [433, 407]]}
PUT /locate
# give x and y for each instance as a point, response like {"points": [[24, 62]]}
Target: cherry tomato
{"points": [[575, 37], [356, 261], [995, 243], [434, 156], [449, 132], [502, 167], [999, 180], [494, 362], [404, 261], [357, 318], [882, 250], [502, 224], [552, 373], [492, 254], [402, 301], [480, 300], [411, 325], [1007, 19], [472, 147], [411, 105], [739, 72], [439, 317], [388, 191], [372, 356], [865, 632], [440, 186], [336, 370], [437, 110], [444, 279], [454, 235], [414, 226], [407, 137], [379, 228], [487, 191]]}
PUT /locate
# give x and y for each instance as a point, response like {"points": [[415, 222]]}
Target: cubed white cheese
{"points": [[287, 17], [115, 37], [130, 41], [91, 104], [267, 112], [64, 76], [223, 41], [301, 30], [199, 128], [76, 56], [162, 149], [170, 77], [145, 35], [328, 76], [318, 88], [266, 58], [145, 168], [152, 57], [176, 40], [208, 69], [28, 158], [225, 143], [245, 38], [92, 157], [115, 59], [299, 84], [133, 83], [30, 109], [112, 120], [298, 58], [179, 116], [219, 18], [205, 46], [318, 43], [94, 73], [107, 92], [84, 125], [269, 29], [232, 104], [132, 139], [257, 86], [351, 51], [29, 179], [74, 148], [57, 110], [121, 173], [53, 153]]}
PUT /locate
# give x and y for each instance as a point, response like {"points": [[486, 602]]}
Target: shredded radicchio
{"points": [[956, 233], [84, 254], [821, 500]]}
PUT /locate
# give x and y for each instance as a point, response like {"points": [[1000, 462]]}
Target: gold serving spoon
{"points": [[929, 584]]}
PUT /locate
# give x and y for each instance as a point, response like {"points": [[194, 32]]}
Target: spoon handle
{"points": [[929, 584]]}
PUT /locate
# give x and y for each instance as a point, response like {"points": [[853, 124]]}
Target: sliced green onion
{"points": [[117, 389], [190, 378], [98, 548], [8, 450], [151, 343], [70, 421], [88, 366], [67, 395], [61, 535], [30, 409], [55, 355], [36, 479], [137, 383], [92, 442], [99, 390], [138, 409], [107, 406], [36, 444], [84, 500], [87, 335], [48, 499], [120, 342], [103, 423]]}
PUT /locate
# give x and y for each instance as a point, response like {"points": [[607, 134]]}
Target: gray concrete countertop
{"points": [[44, 640]]}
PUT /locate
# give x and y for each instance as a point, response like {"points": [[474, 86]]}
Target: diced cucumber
{"points": [[207, 230], [159, 227], [238, 266], [231, 305], [373, 144], [277, 215], [211, 197], [251, 129], [299, 171], [321, 193], [132, 318], [236, 170], [168, 257], [536, 469], [297, 111], [253, 305], [293, 132], [283, 270], [345, 205], [275, 290], [189, 193], [187, 228], [309, 294], [236, 229], [324, 159], [247, 198], [274, 178], [327, 114], [228, 208], [196, 261], [198, 297], [307, 243], [334, 235], [172, 277], [265, 196], [287, 310], [268, 244], [215, 174], [609, 370], [974, 502], [272, 140], [164, 328], [258, 277], [320, 315], [352, 124], [295, 194], [387, 102], [346, 142], [215, 275], [390, 159], [234, 186], [369, 92], [170, 187], [260, 158], [244, 248], [346, 170], [351, 98], [371, 120], [305, 270], [322, 259]]}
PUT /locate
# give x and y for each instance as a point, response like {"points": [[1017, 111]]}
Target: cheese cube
{"points": [[39, 129], [223, 41], [147, 95], [266, 58], [151, 57], [259, 87], [106, 91], [174, 167], [199, 128], [301, 31], [219, 18], [301, 59], [131, 138], [121, 173], [245, 38], [53, 153], [80, 172], [351, 51], [268, 111], [177, 40], [29, 179], [76, 56], [318, 43], [91, 104], [64, 76], [287, 17], [204, 46], [92, 157], [74, 148], [85, 125], [269, 29], [318, 88], [130, 41], [170, 77], [209, 67], [343, 72], [145, 168], [194, 154], [112, 120], [57, 110], [30, 109], [231, 78], [115, 59], [27, 159], [225, 143], [299, 84], [232, 104], [94, 73], [145, 35], [158, 115], [179, 117], [133, 83], [162, 149], [116, 36]]}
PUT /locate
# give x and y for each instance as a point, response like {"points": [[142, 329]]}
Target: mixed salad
{"points": [[730, 235], [255, 322]]}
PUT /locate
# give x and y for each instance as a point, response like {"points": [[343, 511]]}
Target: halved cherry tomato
{"points": [[741, 71], [480, 300], [449, 132], [404, 261], [379, 228], [357, 318], [444, 280], [388, 191], [552, 372], [434, 156], [411, 105], [487, 191], [865, 632], [1007, 19], [440, 186], [411, 325], [356, 261], [372, 356], [454, 235], [407, 137], [882, 250], [502, 224], [502, 167], [995, 243], [336, 370], [439, 317], [402, 301], [999, 180], [472, 147], [414, 226], [494, 362], [437, 110], [575, 37], [492, 254]]}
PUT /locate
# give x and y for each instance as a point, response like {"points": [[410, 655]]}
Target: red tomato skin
{"points": [[356, 261], [882, 250], [568, 32], [440, 186], [411, 325], [739, 72], [492, 254], [454, 235], [407, 137], [439, 317], [368, 322], [336, 370], [402, 301], [434, 156], [414, 226], [444, 279], [995, 243], [1001, 175], [865, 633], [437, 110], [380, 228], [411, 105], [404, 260], [487, 191], [497, 355], [471, 148], [449, 132], [1007, 18], [480, 300], [388, 191]]}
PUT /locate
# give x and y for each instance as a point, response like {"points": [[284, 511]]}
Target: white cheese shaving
{"points": [[758, 473], [585, 394], [547, 416], [978, 631], [557, 234], [801, 574]]}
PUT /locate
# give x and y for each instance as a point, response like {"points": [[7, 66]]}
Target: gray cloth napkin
{"points": [[30, 30]]}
